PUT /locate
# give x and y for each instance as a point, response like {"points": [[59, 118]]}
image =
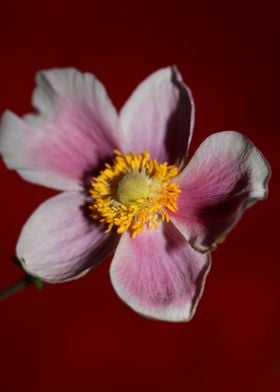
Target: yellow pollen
{"points": [[134, 192]]}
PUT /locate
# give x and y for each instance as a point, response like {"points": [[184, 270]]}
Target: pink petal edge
{"points": [[59, 242], [159, 116], [73, 131], [226, 175], [158, 274]]}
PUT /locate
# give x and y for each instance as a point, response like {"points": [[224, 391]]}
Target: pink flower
{"points": [[169, 215]]}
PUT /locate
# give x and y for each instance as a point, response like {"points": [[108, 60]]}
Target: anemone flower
{"points": [[126, 188]]}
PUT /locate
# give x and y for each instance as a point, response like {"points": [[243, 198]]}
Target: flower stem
{"points": [[16, 287]]}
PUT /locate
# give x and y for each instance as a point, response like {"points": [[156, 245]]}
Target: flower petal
{"points": [[226, 175], [158, 274], [59, 241], [72, 132], [159, 116]]}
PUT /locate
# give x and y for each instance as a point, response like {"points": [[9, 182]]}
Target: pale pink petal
{"points": [[159, 116], [72, 133], [59, 241], [158, 274], [226, 175]]}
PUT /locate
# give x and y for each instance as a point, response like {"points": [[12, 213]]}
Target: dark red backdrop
{"points": [[79, 336]]}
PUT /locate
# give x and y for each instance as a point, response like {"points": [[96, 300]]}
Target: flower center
{"points": [[134, 192], [133, 186]]}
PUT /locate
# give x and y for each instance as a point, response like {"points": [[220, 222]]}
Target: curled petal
{"points": [[73, 131], [59, 242], [226, 175], [158, 274], [159, 116]]}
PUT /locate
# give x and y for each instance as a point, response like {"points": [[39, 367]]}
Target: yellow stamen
{"points": [[133, 193]]}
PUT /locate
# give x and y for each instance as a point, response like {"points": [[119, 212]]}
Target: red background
{"points": [[79, 336]]}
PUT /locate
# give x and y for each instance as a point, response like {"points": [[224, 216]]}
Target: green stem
{"points": [[16, 287]]}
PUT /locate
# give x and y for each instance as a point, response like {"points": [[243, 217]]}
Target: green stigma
{"points": [[132, 187]]}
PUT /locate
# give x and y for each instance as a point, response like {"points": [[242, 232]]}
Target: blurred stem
{"points": [[16, 287]]}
